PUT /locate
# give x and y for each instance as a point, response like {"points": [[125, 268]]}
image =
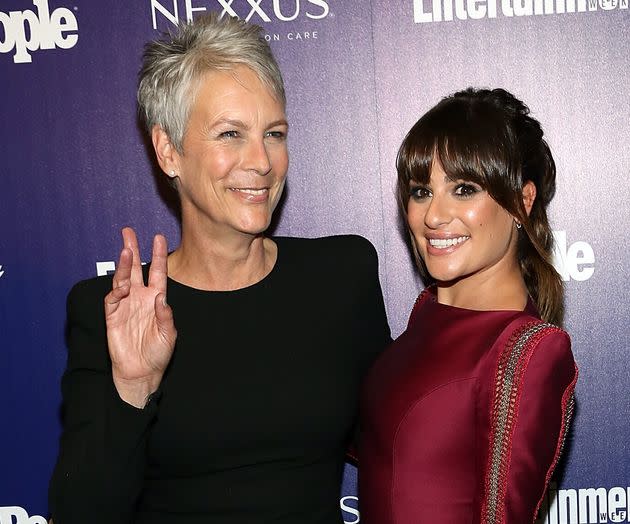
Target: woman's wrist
{"points": [[137, 393]]}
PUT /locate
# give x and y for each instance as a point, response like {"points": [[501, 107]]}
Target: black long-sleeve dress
{"points": [[254, 412]]}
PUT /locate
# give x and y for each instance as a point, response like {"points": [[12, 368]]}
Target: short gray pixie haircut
{"points": [[173, 66]]}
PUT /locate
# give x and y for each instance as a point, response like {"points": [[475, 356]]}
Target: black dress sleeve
{"points": [[376, 325], [375, 331], [100, 469]]}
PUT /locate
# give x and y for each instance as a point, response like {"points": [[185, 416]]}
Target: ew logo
{"points": [[45, 29], [9, 513], [572, 262]]}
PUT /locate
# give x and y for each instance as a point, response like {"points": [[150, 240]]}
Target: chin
{"points": [[442, 274], [254, 227]]}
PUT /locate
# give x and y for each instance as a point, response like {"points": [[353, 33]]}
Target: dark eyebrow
{"points": [[454, 179], [451, 178]]}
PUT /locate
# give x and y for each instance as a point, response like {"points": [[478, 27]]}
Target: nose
{"points": [[438, 212], [257, 157]]}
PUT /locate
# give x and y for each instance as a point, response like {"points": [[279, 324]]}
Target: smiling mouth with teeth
{"points": [[250, 191], [443, 243]]}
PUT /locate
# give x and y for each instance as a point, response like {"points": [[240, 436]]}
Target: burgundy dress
{"points": [[464, 417]]}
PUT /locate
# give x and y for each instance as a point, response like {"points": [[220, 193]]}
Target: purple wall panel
{"points": [[332, 113]]}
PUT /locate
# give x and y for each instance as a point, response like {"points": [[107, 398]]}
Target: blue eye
{"points": [[420, 192]]}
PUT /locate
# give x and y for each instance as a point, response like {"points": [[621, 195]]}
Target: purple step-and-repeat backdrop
{"points": [[74, 169]]}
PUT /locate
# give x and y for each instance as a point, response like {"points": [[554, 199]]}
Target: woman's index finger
{"points": [[158, 271]]}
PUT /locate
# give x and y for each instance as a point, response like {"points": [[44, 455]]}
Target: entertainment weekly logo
{"points": [[45, 30], [585, 506], [255, 11], [446, 10], [572, 261]]}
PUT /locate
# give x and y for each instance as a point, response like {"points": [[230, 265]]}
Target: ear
{"points": [[167, 155], [529, 195]]}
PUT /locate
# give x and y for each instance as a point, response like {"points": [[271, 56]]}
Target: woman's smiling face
{"points": [[459, 229], [235, 160]]}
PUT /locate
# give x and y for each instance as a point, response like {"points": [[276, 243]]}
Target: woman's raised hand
{"points": [[140, 330]]}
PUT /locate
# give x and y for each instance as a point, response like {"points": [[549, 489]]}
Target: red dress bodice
{"points": [[463, 417]]}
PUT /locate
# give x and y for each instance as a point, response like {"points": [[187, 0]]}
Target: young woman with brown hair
{"points": [[465, 415]]}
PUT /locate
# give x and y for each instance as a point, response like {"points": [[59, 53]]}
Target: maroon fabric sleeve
{"points": [[542, 402]]}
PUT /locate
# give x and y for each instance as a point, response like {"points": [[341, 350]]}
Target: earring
{"points": [[171, 173], [518, 224]]}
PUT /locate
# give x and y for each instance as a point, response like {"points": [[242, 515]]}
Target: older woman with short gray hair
{"points": [[218, 384]]}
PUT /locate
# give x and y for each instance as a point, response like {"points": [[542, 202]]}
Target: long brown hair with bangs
{"points": [[488, 137]]}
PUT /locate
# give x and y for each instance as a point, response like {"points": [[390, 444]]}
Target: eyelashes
{"points": [[461, 190], [466, 190], [420, 192], [233, 133]]}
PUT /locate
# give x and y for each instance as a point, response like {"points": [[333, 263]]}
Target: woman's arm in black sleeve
{"points": [[376, 325], [100, 469], [376, 335]]}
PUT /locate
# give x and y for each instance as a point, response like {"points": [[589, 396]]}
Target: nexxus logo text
{"points": [[256, 11]]}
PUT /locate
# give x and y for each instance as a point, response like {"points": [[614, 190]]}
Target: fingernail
{"points": [[164, 301]]}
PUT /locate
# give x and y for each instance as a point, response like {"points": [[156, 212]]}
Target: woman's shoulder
{"points": [[90, 287], [97, 287], [346, 258], [335, 244], [528, 339], [85, 297], [335, 251], [528, 324]]}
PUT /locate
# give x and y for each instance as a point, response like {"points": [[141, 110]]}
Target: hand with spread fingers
{"points": [[140, 330]]}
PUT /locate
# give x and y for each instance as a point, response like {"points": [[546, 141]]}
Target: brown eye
{"points": [[466, 190], [420, 192]]}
